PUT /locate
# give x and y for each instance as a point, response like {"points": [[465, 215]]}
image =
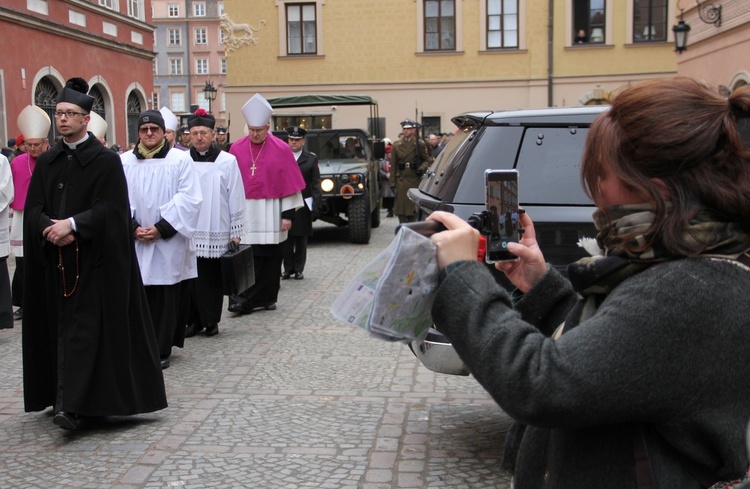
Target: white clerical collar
{"points": [[297, 154], [203, 153], [76, 143]]}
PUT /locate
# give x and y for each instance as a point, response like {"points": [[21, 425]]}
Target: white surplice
{"points": [[263, 218], [222, 213], [166, 188]]}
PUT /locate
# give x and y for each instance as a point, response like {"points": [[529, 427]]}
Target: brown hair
{"points": [[682, 133]]}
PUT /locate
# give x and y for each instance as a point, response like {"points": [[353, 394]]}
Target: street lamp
{"points": [[680, 35], [209, 91]]}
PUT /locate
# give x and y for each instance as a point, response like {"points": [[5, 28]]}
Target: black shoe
{"points": [[285, 276], [240, 309], [268, 307], [212, 330], [193, 330], [18, 314], [298, 276], [66, 421], [164, 363], [389, 213]]}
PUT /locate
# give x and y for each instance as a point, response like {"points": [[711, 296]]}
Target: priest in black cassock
{"points": [[89, 348]]}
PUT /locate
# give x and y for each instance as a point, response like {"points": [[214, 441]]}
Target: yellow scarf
{"points": [[149, 153]]}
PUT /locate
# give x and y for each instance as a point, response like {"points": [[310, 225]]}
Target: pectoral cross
{"points": [[254, 159]]}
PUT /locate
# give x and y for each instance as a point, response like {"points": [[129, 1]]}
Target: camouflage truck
{"points": [[349, 163]]}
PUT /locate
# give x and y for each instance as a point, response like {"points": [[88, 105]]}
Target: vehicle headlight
{"points": [[326, 185]]}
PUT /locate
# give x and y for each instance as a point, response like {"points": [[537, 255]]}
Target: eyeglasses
{"points": [[147, 129], [68, 113], [34, 145]]}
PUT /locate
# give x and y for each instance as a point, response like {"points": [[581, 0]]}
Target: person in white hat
{"points": [[171, 126], [34, 124], [89, 348], [273, 191], [98, 127]]}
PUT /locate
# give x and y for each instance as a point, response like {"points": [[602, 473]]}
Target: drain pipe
{"points": [[550, 52]]}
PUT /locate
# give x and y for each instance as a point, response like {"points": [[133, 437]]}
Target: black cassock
{"points": [[93, 353]]}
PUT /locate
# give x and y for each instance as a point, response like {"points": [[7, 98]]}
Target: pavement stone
{"points": [[279, 399]]}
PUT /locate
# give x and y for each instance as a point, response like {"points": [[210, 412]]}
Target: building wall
{"points": [[715, 54], [376, 48], [190, 83], [36, 45], [584, 71]]}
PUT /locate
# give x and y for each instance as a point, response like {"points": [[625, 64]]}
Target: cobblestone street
{"points": [[279, 399]]}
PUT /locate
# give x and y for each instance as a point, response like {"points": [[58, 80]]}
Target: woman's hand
{"points": [[458, 243], [530, 266]]}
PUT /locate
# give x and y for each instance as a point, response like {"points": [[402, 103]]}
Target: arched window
{"points": [[98, 102], [45, 97], [134, 109]]}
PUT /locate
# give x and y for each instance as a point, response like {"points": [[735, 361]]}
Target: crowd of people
{"points": [[118, 251], [629, 372]]}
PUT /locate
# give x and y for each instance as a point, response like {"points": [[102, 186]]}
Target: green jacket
{"points": [[407, 168]]}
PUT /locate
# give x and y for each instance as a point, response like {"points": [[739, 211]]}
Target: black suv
{"points": [[545, 146]]}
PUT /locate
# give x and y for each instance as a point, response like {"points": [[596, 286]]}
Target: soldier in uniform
{"points": [[408, 164], [185, 137], [222, 141]]}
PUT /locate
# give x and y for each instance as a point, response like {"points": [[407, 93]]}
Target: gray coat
{"points": [[667, 349]]}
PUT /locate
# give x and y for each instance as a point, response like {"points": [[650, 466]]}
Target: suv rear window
{"points": [[551, 156]]}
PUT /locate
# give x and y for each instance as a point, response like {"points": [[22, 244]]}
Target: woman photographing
{"points": [[632, 372]]}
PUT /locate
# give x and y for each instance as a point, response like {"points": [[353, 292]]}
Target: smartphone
{"points": [[502, 206]]}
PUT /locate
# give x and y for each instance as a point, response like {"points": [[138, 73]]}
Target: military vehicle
{"points": [[348, 166]]}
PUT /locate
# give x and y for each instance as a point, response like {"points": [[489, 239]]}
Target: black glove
{"points": [[419, 172]]}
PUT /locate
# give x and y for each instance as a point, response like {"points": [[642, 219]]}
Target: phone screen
{"points": [[502, 204]]}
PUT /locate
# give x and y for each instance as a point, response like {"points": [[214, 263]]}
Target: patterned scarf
{"points": [[595, 277]]}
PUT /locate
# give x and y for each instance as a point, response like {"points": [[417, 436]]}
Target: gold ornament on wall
{"points": [[237, 35]]}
